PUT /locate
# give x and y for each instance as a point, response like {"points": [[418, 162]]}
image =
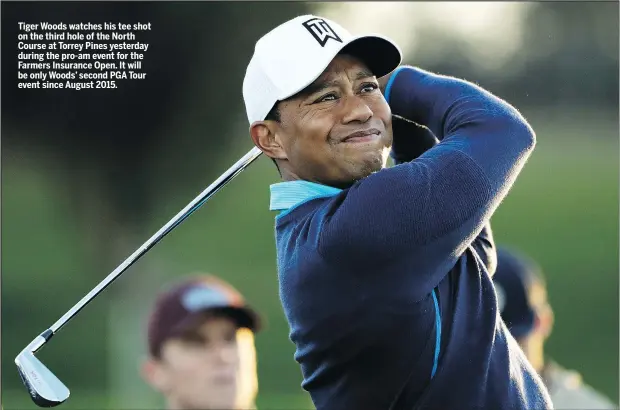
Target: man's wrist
{"points": [[401, 89]]}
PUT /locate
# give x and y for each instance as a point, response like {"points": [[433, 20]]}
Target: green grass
{"points": [[79, 400]]}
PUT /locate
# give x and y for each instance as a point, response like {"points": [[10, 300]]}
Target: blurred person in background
{"points": [[201, 346], [522, 298]]}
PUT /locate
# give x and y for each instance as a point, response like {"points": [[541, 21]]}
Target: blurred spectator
{"points": [[201, 346], [522, 298]]}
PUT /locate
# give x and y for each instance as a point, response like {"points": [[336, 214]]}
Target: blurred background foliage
{"points": [[88, 176]]}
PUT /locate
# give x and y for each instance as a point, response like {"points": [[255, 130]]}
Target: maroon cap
{"points": [[179, 306]]}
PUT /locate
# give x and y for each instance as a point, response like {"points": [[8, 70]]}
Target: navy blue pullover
{"points": [[387, 285]]}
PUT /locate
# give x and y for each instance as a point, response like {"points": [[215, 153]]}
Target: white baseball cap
{"points": [[291, 56]]}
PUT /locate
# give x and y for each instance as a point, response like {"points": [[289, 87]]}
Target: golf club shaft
{"points": [[232, 172]]}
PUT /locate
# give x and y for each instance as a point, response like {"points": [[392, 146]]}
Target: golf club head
{"points": [[45, 389]]}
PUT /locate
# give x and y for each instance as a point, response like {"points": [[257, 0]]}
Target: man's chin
{"points": [[224, 402], [372, 164], [368, 168]]}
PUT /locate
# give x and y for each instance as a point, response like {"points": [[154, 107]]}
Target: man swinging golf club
{"points": [[385, 273]]}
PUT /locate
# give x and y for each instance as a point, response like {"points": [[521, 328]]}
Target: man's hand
{"points": [[410, 139]]}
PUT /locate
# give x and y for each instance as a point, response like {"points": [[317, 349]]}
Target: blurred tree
{"points": [[108, 139], [568, 57], [564, 52]]}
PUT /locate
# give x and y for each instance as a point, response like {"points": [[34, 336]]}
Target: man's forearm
{"points": [[486, 128]]}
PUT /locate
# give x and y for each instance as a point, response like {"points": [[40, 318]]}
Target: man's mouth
{"points": [[223, 379], [362, 136]]}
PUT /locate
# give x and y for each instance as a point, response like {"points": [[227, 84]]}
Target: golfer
{"points": [[385, 273]]}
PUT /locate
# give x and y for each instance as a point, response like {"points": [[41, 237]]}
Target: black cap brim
{"points": [[379, 54]]}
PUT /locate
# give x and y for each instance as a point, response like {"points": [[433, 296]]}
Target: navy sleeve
{"points": [[484, 246], [436, 205], [410, 141]]}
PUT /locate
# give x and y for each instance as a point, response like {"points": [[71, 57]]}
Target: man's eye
{"points": [[231, 337], [326, 97], [369, 87]]}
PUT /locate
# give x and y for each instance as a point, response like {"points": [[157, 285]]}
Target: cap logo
{"points": [[202, 297], [501, 297], [321, 31]]}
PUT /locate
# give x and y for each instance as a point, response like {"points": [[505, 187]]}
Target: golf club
{"points": [[45, 389]]}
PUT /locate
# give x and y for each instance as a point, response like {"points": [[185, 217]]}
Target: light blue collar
{"points": [[285, 196]]}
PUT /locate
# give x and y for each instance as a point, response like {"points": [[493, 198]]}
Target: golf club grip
{"points": [[226, 177]]}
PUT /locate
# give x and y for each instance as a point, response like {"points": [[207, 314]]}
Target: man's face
{"points": [[211, 366], [336, 131]]}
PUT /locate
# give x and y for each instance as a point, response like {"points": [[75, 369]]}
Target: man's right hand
{"points": [[410, 140]]}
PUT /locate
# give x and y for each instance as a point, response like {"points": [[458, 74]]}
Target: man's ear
{"points": [[547, 319], [153, 374], [265, 135]]}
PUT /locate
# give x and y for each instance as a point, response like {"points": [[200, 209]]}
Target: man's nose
{"points": [[356, 110], [225, 353]]}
